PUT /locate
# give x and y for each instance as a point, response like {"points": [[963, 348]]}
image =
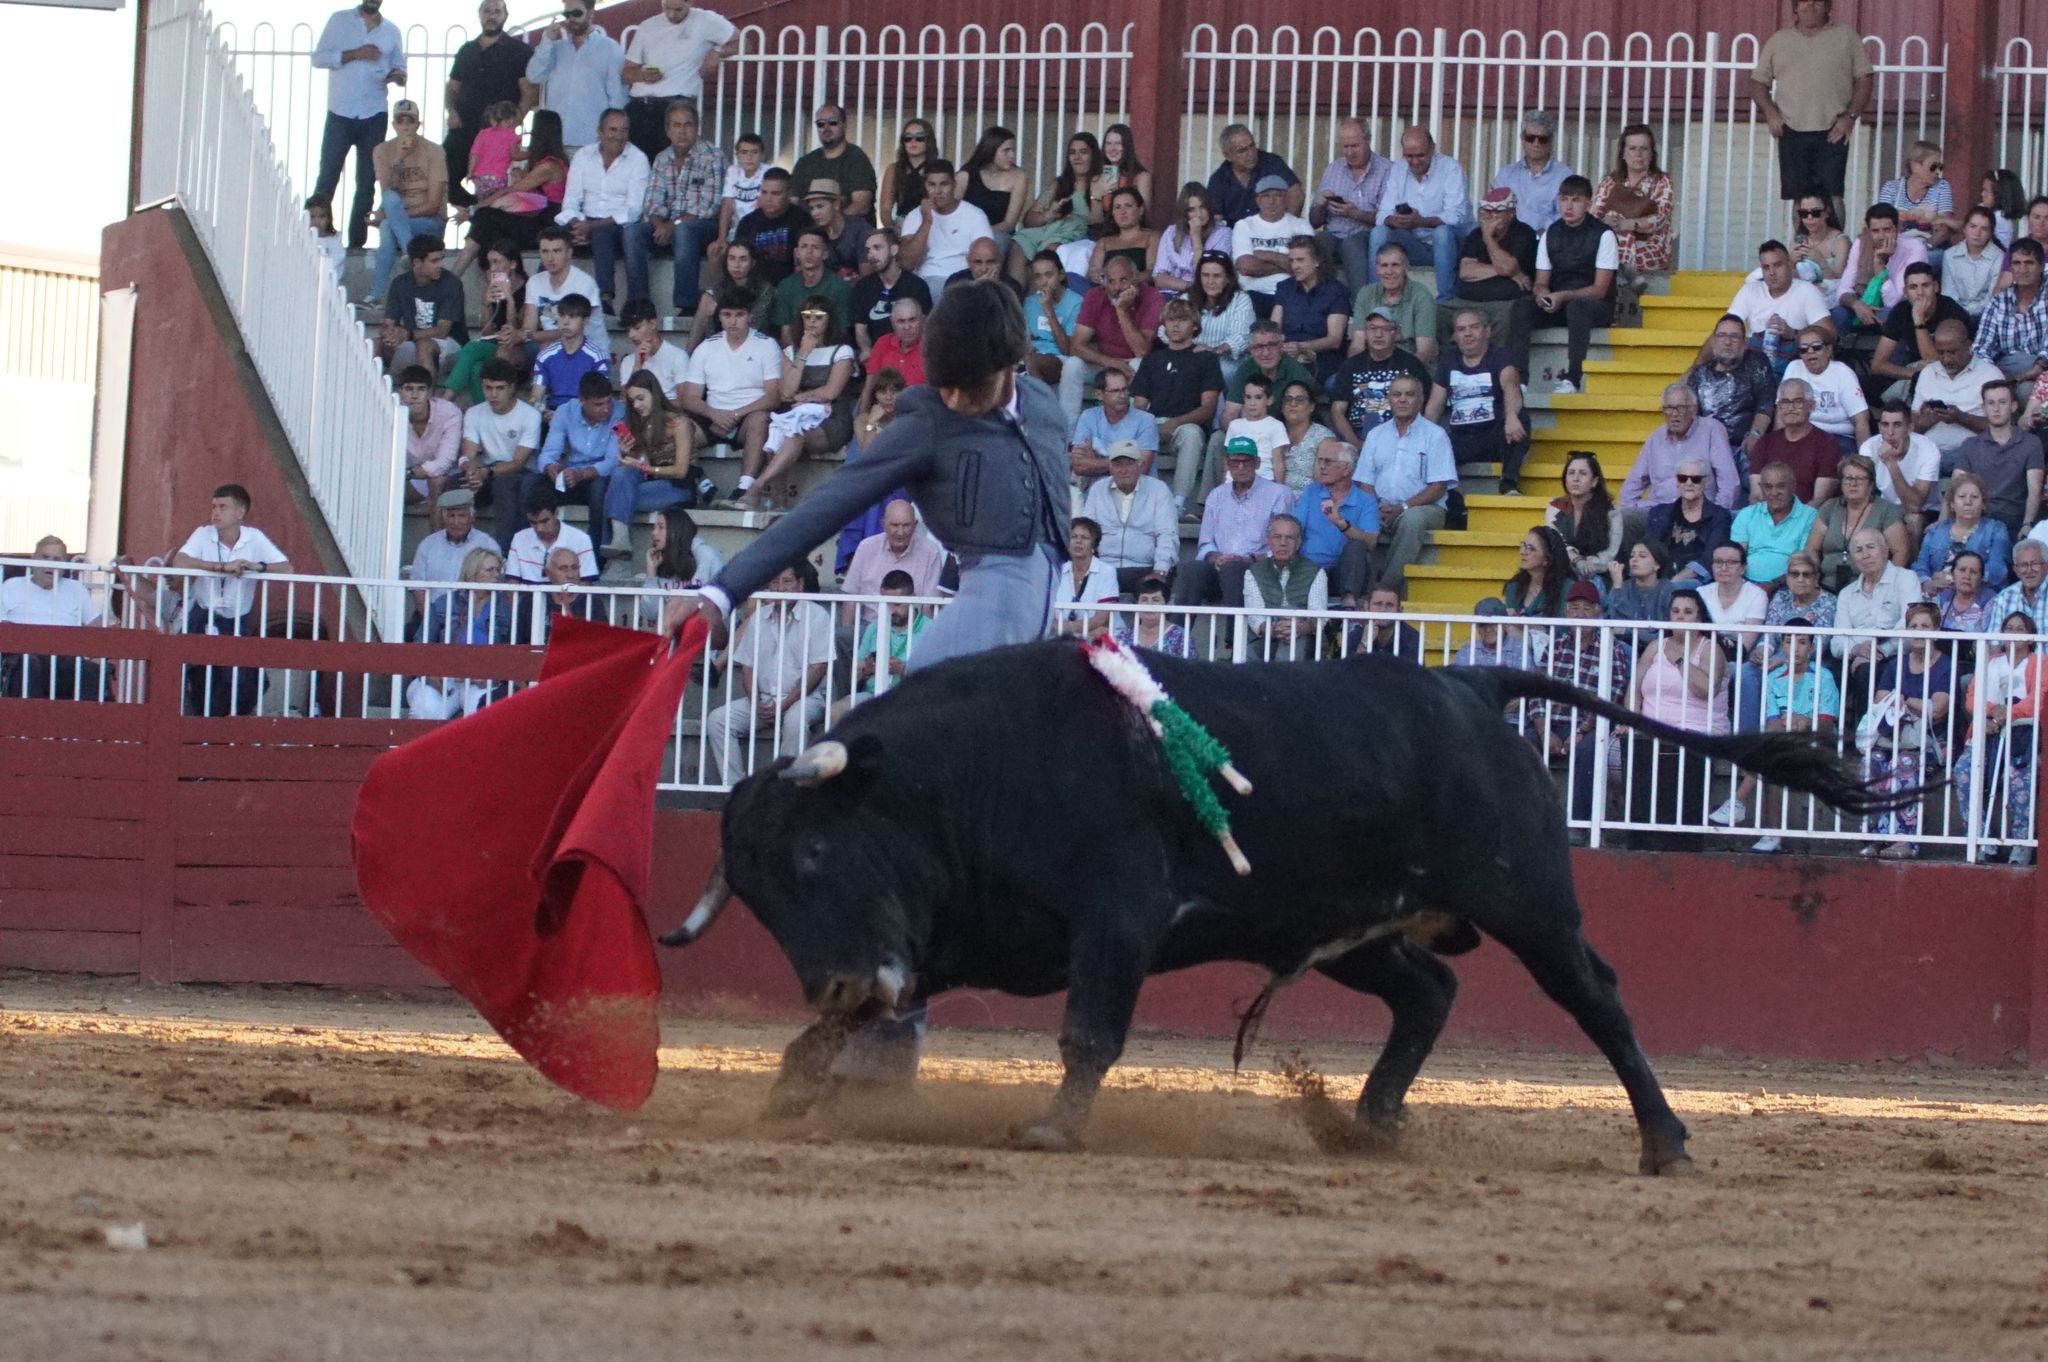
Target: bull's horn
{"points": [[820, 761], [717, 893]]}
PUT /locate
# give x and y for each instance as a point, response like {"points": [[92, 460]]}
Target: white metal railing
{"points": [[1472, 88], [1042, 85], [1614, 780], [2022, 76], [205, 145]]}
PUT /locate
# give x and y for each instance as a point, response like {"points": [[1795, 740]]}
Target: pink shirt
{"points": [[490, 155], [1667, 698], [435, 451], [872, 561]]}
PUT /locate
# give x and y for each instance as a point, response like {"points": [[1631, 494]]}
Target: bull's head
{"points": [[823, 857]]}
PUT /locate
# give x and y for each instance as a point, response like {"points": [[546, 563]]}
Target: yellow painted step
{"points": [[1642, 337], [1719, 284], [1648, 359], [1649, 383], [1583, 426], [1489, 513], [1480, 550], [1450, 589]]}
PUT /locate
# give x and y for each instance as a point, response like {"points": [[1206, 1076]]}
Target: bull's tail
{"points": [[1811, 762]]}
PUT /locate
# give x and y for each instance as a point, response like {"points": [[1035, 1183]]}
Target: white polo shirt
{"points": [[499, 438], [228, 595], [1963, 391], [734, 378], [527, 559]]}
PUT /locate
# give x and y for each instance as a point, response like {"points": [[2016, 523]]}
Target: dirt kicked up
{"points": [[324, 1177]]}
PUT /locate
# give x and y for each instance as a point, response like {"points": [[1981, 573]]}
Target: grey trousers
{"points": [[1405, 544], [1003, 599]]}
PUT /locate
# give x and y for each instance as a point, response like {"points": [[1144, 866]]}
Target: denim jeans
{"points": [[632, 492], [1440, 244], [688, 245], [605, 237], [395, 236], [341, 136]]}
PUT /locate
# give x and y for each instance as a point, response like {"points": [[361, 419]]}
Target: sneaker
{"points": [[1731, 812], [1511, 489], [1765, 845], [1565, 388]]}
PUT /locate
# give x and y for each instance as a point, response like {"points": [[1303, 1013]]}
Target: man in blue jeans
{"points": [[365, 54], [683, 187], [1425, 209]]}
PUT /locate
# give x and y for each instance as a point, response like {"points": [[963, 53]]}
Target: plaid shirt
{"points": [[1575, 657], [2006, 330], [691, 191]]}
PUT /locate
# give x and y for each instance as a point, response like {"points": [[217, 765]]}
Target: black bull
{"points": [[1005, 821]]}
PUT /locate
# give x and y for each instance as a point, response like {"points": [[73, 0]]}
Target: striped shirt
{"points": [[689, 190]]}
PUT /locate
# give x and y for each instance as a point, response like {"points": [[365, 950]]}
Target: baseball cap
{"points": [[1125, 449], [1583, 591], [1268, 183], [823, 189], [1492, 605], [405, 108], [456, 499], [1500, 198], [1241, 447], [1384, 312]]}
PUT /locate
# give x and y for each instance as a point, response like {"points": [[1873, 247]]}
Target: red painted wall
{"points": [[192, 422]]}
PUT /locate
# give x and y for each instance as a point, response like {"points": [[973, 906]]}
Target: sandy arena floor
{"points": [[328, 1177]]}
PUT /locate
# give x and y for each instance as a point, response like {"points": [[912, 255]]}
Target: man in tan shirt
{"points": [[412, 192], [1811, 84]]}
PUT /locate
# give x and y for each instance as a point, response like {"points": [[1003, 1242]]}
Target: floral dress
{"points": [[1653, 248]]}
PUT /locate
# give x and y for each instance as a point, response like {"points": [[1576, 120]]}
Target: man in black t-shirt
{"points": [[486, 72], [1181, 386], [771, 229], [425, 314], [875, 292], [1478, 400], [1497, 270], [1359, 392], [1906, 345]]}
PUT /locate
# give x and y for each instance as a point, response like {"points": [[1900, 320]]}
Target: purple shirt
{"points": [[1236, 525], [1361, 190], [1650, 482], [1911, 250]]}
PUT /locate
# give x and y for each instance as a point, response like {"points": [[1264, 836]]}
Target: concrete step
{"points": [[1480, 550], [1653, 360], [1719, 284], [1648, 337]]}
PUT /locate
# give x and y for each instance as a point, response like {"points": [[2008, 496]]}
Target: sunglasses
{"points": [[1813, 212], [915, 137], [813, 314], [1688, 477], [1539, 137], [1811, 349], [574, 13], [826, 123], [1297, 400]]}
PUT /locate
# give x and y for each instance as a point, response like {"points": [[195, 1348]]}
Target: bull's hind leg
{"points": [[1418, 990], [1549, 945]]}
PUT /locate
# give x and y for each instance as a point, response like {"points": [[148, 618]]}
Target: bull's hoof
{"points": [[787, 1100], [1666, 1158], [1046, 1137]]}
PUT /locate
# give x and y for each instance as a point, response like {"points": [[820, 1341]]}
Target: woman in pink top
{"points": [[1682, 680]]}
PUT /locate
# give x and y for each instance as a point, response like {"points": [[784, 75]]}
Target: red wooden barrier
{"points": [[136, 840]]}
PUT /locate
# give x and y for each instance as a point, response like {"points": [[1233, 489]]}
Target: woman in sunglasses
{"points": [[1820, 248], [818, 394], [1925, 199], [903, 178]]}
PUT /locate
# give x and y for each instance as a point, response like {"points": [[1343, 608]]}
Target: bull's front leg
{"points": [[1102, 992], [807, 1065]]}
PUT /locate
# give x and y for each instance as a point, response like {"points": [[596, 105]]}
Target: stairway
{"points": [[1625, 379]]}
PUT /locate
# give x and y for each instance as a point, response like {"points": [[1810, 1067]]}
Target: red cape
{"points": [[529, 904]]}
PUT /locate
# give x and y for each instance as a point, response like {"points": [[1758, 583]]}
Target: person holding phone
{"points": [[1424, 209], [1347, 203]]}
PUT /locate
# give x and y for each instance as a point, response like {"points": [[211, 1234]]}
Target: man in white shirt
{"points": [[779, 660], [499, 436], [1908, 463], [734, 381], [1409, 466], [1259, 243], [1140, 529], [49, 597], [1948, 395], [938, 232], [1425, 208], [222, 603], [1776, 306], [606, 191], [670, 364], [557, 280], [667, 59], [526, 560], [365, 54]]}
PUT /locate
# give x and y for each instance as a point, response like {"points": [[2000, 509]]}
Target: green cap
{"points": [[1241, 444]]}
